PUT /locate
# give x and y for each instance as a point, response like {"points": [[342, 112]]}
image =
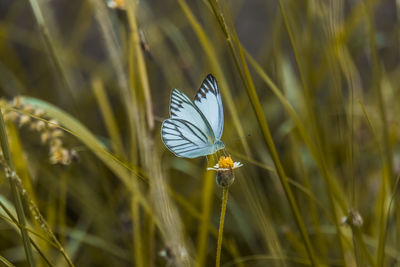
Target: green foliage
{"points": [[310, 99]]}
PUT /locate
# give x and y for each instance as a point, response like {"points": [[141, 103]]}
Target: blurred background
{"points": [[85, 86]]}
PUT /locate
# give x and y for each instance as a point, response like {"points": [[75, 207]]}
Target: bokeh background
{"points": [[86, 86]]}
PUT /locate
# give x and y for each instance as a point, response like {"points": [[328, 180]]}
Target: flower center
{"points": [[225, 162]]}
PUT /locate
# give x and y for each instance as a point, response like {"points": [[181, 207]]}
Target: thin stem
{"points": [[387, 150], [10, 173], [221, 225], [244, 72]]}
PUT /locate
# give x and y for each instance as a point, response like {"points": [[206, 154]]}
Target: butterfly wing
{"points": [[208, 100], [187, 133], [185, 139]]}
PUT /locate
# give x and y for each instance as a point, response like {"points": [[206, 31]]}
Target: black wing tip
{"points": [[210, 76], [211, 81]]}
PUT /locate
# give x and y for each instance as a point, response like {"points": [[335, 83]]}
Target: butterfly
{"points": [[194, 128]]}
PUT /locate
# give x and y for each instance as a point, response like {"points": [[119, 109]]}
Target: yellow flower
{"points": [[225, 163], [224, 168]]}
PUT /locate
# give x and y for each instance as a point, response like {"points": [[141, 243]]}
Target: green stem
{"points": [[387, 150], [244, 72], [10, 173], [221, 225]]}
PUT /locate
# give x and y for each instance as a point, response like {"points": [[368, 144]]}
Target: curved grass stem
{"points": [[221, 225]]}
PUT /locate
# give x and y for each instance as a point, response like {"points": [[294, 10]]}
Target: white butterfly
{"points": [[194, 128]]}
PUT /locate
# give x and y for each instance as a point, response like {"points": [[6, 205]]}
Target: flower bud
{"points": [[225, 178]]}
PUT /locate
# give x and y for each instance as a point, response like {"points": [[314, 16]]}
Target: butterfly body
{"points": [[194, 128]]}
